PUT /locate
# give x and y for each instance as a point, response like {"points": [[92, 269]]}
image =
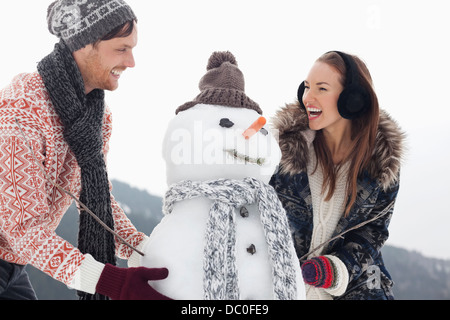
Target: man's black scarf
{"points": [[82, 117]]}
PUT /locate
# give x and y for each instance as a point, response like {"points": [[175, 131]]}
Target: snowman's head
{"points": [[206, 142]]}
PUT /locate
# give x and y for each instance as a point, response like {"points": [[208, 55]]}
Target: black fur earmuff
{"points": [[354, 99]]}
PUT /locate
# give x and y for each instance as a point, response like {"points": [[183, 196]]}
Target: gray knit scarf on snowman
{"points": [[219, 265], [82, 117]]}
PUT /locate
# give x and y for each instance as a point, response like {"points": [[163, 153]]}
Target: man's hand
{"points": [[130, 283]]}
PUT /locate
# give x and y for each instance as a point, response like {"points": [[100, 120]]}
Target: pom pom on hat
{"points": [[219, 57]]}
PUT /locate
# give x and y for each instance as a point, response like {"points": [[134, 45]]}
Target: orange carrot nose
{"points": [[254, 128]]}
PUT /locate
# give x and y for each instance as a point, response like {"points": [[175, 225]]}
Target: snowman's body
{"points": [[184, 256], [197, 148]]}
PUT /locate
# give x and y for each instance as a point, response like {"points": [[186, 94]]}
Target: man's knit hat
{"points": [[223, 84], [82, 22]]}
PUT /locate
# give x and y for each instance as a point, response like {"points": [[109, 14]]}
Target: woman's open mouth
{"points": [[314, 113]]}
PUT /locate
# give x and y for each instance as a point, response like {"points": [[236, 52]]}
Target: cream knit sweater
{"points": [[326, 215]]}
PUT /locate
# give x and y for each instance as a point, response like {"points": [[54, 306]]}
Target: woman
{"points": [[340, 169]]}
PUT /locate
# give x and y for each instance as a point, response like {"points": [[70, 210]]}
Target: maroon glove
{"points": [[130, 283]]}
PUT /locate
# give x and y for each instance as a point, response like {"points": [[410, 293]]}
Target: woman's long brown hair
{"points": [[364, 130]]}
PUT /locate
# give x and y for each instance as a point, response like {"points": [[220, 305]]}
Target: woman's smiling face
{"points": [[322, 89]]}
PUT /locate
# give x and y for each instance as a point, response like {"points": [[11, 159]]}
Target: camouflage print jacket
{"points": [[378, 186]]}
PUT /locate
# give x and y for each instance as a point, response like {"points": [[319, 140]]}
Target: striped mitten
{"points": [[319, 272]]}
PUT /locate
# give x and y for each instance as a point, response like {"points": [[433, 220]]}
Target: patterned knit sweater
{"points": [[30, 206]]}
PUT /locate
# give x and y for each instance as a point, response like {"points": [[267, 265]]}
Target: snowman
{"points": [[224, 234]]}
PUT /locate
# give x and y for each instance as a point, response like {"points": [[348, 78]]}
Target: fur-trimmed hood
{"points": [[295, 138]]}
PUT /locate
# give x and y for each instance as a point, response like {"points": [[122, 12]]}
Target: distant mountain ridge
{"points": [[415, 276]]}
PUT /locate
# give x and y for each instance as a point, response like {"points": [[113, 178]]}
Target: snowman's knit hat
{"points": [[223, 84]]}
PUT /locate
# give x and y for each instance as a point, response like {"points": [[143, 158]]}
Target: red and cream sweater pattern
{"points": [[30, 206]]}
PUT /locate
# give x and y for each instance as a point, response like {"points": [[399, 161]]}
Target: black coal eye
{"points": [[264, 131], [226, 123]]}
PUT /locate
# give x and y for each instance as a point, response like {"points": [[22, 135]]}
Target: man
{"points": [[54, 134]]}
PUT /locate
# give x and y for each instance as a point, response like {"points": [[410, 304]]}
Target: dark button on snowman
{"points": [[244, 212], [251, 249], [224, 234]]}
